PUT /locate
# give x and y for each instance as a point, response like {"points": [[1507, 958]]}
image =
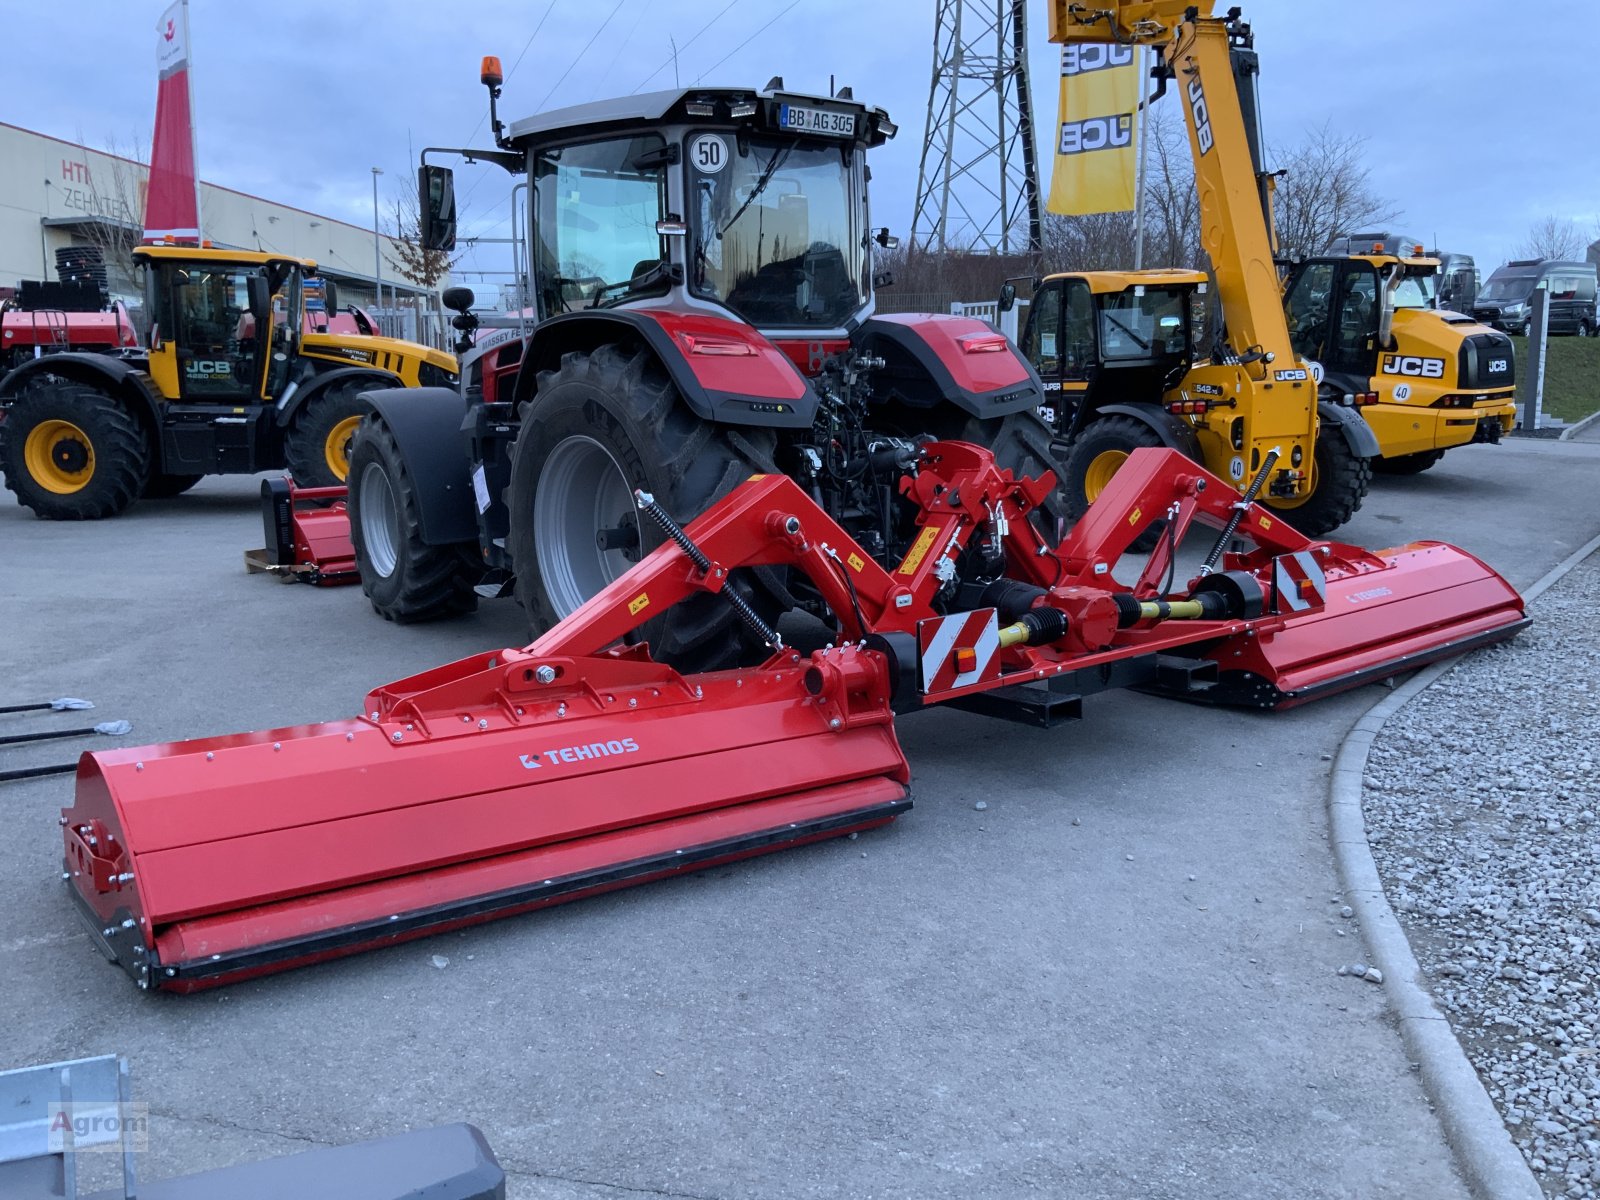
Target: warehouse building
{"points": [[56, 196]]}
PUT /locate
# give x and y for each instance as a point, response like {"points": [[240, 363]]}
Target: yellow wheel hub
{"points": [[1101, 468], [337, 448], [59, 456]]}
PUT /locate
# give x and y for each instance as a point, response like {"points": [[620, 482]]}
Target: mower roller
{"points": [[520, 778]]}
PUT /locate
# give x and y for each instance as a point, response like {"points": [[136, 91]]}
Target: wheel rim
{"points": [[582, 490], [336, 448], [1101, 468], [380, 520], [59, 456]]}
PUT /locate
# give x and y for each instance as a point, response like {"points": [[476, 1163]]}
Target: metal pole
{"points": [[1138, 199], [377, 243], [1533, 385]]}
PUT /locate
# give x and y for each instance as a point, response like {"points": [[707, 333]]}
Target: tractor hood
{"points": [[373, 351]]}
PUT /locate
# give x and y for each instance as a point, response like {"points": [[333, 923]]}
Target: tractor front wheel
{"points": [[406, 579], [1097, 454], [600, 426], [1339, 482], [320, 440], [73, 453]]}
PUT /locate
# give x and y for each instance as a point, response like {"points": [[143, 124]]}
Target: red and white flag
{"points": [[172, 204]]}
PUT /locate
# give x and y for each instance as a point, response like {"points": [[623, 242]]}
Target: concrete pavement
{"points": [[968, 1004]]}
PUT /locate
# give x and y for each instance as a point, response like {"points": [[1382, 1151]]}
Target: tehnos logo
{"points": [[572, 754], [1417, 368]]}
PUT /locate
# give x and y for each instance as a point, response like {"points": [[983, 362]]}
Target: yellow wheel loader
{"points": [[229, 382], [1116, 350]]}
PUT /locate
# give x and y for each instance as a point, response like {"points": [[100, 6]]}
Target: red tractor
{"points": [[700, 262]]}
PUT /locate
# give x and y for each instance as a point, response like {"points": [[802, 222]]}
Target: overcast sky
{"points": [[1480, 117]]}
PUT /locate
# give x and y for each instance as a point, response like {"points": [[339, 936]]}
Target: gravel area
{"points": [[1481, 799]]}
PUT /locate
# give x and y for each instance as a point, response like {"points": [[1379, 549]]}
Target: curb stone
{"points": [[1572, 431], [1493, 1166]]}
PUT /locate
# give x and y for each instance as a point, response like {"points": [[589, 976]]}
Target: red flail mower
{"points": [[527, 777]]}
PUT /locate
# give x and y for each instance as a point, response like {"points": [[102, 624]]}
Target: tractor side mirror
{"points": [[330, 298], [1008, 296], [260, 295], [458, 299], [436, 201], [886, 239]]}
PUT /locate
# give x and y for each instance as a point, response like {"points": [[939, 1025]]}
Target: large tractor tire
{"points": [[1339, 482], [1407, 464], [320, 440], [405, 579], [161, 486], [597, 428], [72, 453], [1097, 453]]}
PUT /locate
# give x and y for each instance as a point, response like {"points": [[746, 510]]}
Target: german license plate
{"points": [[817, 120]]}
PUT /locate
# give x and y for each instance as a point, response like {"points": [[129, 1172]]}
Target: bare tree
{"points": [[115, 224], [1552, 237], [1326, 191]]}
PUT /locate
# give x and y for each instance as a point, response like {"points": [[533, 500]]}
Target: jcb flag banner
{"points": [[1096, 165], [172, 204]]}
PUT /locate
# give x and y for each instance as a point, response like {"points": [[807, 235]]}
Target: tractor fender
{"points": [[427, 425], [309, 387], [724, 369], [1175, 434], [1363, 442], [931, 360], [124, 378]]}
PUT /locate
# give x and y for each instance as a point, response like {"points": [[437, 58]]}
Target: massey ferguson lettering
{"points": [[1200, 114], [572, 754], [1081, 60], [1417, 368], [1097, 133]]}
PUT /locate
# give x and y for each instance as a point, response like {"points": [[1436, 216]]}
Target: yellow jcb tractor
{"points": [[229, 382], [1313, 384]]}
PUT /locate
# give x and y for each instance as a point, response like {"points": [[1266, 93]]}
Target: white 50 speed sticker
{"points": [[708, 153]]}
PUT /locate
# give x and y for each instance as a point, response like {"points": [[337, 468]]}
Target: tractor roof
{"points": [[209, 254], [695, 105], [1112, 282]]}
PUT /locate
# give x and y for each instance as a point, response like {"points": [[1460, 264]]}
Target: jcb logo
{"points": [[1406, 364], [1200, 114], [1097, 133], [1080, 60], [208, 367], [1499, 366]]}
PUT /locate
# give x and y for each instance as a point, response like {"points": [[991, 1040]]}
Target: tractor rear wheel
{"points": [[1407, 464], [405, 579], [1097, 454], [1339, 482], [72, 453], [318, 446], [161, 486], [600, 426]]}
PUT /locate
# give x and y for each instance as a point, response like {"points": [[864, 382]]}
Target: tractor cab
{"points": [[1102, 337], [719, 201], [1342, 308], [225, 324]]}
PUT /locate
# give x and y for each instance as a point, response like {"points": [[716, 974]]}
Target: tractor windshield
{"points": [[779, 228], [1146, 325]]}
